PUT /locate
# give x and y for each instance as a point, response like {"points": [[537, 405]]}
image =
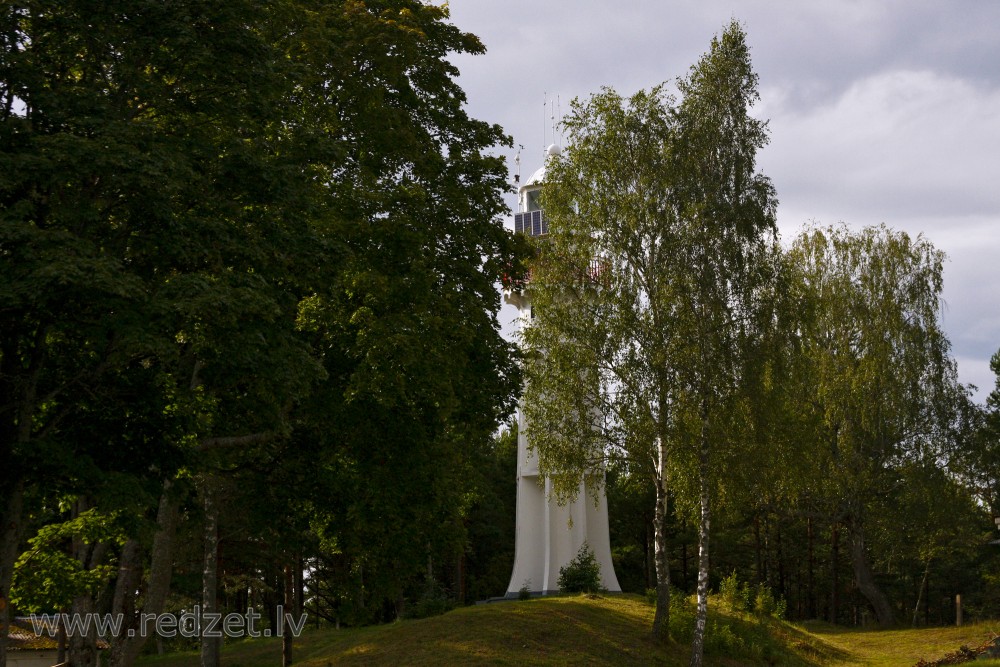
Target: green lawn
{"points": [[885, 648], [578, 630]]}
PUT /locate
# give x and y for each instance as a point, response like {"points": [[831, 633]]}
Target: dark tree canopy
{"points": [[229, 230]]}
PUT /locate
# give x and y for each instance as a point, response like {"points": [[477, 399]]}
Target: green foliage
{"points": [[655, 292], [631, 501], [491, 516], [766, 605], [872, 381], [748, 644], [741, 597], [261, 239], [434, 601], [734, 595], [730, 634], [582, 574], [524, 593], [47, 577], [682, 617]]}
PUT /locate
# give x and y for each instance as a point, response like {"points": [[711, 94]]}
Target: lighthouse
{"points": [[548, 535]]}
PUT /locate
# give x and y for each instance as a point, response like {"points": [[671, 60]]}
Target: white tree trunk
{"points": [[701, 619], [661, 618]]}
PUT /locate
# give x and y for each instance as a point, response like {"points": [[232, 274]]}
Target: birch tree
{"points": [[882, 387], [597, 381], [649, 292], [731, 254]]}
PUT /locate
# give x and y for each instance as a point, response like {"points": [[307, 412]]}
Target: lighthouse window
{"points": [[532, 203]]}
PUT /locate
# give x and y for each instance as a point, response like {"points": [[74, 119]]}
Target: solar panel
{"points": [[532, 223]]}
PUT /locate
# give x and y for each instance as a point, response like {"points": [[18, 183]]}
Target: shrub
{"points": [[765, 604], [525, 591], [742, 598], [734, 595], [741, 641], [682, 617], [582, 574], [433, 602]]}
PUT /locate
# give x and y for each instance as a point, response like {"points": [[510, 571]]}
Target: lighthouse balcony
{"points": [[597, 273], [532, 223]]}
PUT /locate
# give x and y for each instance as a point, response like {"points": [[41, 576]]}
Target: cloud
{"points": [[919, 151], [898, 144], [879, 112]]}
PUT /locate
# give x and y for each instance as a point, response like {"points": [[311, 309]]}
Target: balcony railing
{"points": [[597, 273]]}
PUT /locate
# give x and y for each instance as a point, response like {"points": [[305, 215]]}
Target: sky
{"points": [[880, 111]]}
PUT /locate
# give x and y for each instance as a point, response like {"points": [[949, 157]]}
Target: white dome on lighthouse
{"points": [[538, 177]]}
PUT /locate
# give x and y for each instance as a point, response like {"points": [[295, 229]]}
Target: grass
{"points": [[888, 648], [593, 630]]}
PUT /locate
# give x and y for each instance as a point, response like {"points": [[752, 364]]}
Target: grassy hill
{"points": [[595, 630]]}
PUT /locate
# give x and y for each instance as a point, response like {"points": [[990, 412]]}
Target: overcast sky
{"points": [[879, 112]]}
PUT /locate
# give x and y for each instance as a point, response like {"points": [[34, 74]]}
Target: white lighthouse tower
{"points": [[548, 535]]}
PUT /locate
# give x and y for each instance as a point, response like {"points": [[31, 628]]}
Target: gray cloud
{"points": [[884, 111]]}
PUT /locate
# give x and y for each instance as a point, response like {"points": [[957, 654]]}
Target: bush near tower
{"points": [[582, 574]]}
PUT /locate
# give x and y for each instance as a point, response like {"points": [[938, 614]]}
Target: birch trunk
{"points": [[701, 619], [661, 618]]}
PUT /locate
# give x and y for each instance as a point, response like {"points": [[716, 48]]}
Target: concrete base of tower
{"points": [[550, 535]]}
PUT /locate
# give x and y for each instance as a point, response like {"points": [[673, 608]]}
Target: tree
{"points": [[225, 222], [978, 462], [882, 387], [650, 295], [729, 302], [140, 195], [407, 331], [595, 386]]}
